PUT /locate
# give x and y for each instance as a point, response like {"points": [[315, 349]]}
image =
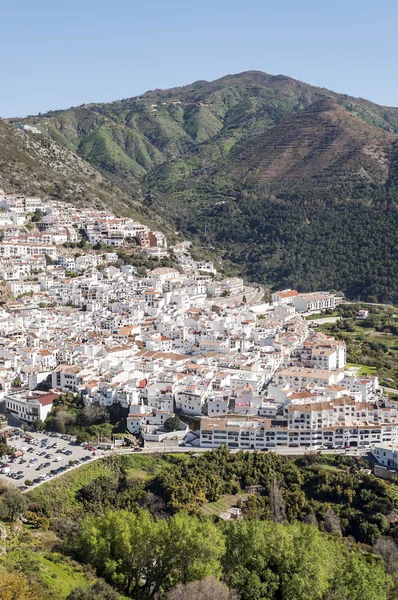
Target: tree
{"points": [[95, 413], [38, 425], [17, 382], [49, 261], [368, 533], [12, 505], [37, 216], [145, 557], [332, 522], [99, 591], [4, 449], [45, 385], [265, 560], [269, 560], [172, 423], [83, 437], [208, 588], [16, 587], [276, 502], [387, 549], [358, 578]]}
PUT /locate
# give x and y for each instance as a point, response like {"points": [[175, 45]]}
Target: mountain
{"points": [[32, 163], [288, 183]]}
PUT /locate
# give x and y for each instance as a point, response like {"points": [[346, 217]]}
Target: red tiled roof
{"points": [[47, 399]]}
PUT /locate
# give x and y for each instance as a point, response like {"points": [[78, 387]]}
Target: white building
{"points": [[314, 301], [29, 408], [386, 454]]}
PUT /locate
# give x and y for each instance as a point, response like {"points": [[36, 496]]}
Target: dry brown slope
{"points": [[324, 139], [34, 164]]}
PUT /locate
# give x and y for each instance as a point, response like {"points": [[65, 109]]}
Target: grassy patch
{"points": [[332, 468], [55, 574], [60, 493], [393, 489], [214, 509], [362, 369]]}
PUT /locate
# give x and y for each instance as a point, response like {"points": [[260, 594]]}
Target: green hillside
{"points": [[296, 185]]}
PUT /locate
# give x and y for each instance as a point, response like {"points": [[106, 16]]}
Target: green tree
{"points": [[5, 449], [144, 557], [172, 423], [12, 505], [38, 425], [270, 561], [37, 216], [359, 578]]}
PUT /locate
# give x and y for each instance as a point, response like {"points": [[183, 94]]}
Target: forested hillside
{"points": [[296, 185], [312, 528]]}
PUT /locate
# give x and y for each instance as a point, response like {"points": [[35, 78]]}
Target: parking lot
{"points": [[45, 456]]}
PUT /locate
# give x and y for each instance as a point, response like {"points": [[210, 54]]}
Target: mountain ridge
{"points": [[245, 147]]}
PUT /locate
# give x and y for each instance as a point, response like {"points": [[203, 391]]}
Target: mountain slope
{"points": [[287, 183], [130, 137], [34, 164], [322, 140]]}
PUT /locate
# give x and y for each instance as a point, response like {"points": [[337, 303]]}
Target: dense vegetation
{"points": [[70, 416], [372, 343], [332, 493], [302, 246], [145, 558], [138, 521]]}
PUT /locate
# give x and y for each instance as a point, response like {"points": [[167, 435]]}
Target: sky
{"points": [[56, 53]]}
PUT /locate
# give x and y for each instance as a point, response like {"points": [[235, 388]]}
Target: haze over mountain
{"points": [[296, 185]]}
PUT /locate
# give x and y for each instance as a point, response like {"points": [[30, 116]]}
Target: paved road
{"points": [[369, 303], [324, 320], [389, 390], [253, 296]]}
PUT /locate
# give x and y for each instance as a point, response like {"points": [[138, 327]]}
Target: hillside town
{"points": [[170, 342]]}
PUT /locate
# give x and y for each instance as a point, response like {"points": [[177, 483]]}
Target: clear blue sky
{"points": [[61, 53]]}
